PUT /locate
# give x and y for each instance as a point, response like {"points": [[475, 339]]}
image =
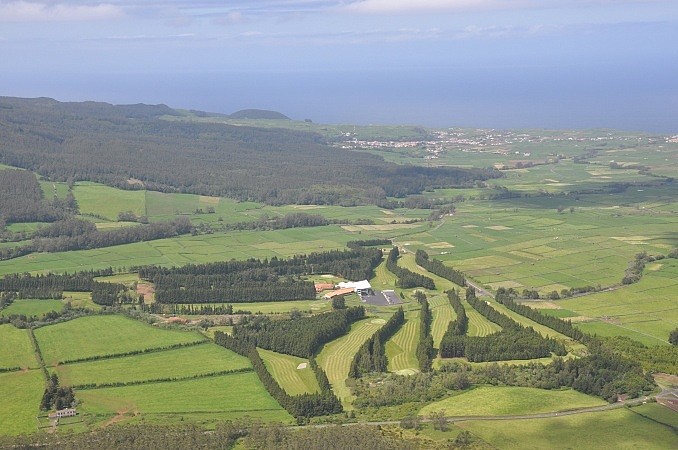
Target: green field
{"points": [[401, 348], [16, 349], [188, 249], [104, 335], [32, 307], [179, 363], [20, 393], [506, 401], [292, 373], [646, 311], [336, 356], [618, 429], [219, 398]]}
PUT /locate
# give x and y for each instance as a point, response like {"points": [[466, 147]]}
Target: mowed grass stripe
{"points": [[16, 349], [284, 369], [478, 325], [442, 316], [336, 357], [401, 348], [104, 335], [177, 363]]}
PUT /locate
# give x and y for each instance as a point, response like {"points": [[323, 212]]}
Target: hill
{"points": [[258, 114], [133, 147]]}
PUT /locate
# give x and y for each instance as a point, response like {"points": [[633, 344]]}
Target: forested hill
{"points": [[258, 114], [132, 147]]}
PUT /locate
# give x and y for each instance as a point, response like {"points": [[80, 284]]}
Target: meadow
{"points": [[618, 429], [184, 362], [646, 311], [219, 398], [20, 393], [293, 374], [103, 335], [507, 400], [16, 349], [32, 307]]}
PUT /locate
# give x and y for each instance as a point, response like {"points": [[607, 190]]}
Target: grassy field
{"points": [[181, 362], [20, 393], [188, 249], [16, 349], [646, 311], [401, 348], [287, 372], [103, 335], [32, 307], [525, 243], [336, 356], [505, 401], [220, 398], [618, 429]]}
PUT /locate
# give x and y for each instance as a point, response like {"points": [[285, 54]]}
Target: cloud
{"points": [[428, 6], [22, 11]]}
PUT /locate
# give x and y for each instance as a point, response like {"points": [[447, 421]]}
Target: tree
{"points": [[673, 337], [463, 439], [339, 302], [438, 420]]}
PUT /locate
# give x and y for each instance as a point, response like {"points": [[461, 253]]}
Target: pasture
{"points": [[32, 307], [217, 398], [104, 335], [21, 393], [16, 349], [336, 356], [293, 374], [618, 429], [526, 244], [401, 348], [646, 311], [508, 400], [187, 249], [184, 362]]}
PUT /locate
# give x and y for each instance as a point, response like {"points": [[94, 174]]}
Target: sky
{"points": [[479, 63]]}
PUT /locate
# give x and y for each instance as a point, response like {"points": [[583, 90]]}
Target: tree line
{"points": [[457, 327], [406, 278], [437, 267], [56, 396], [301, 337], [22, 199], [371, 357], [513, 342], [50, 285], [255, 280], [425, 351]]}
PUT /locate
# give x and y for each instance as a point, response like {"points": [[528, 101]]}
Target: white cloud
{"points": [[427, 6], [407, 6], [22, 11]]}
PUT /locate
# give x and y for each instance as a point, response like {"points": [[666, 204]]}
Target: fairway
{"points": [[177, 363], [401, 348], [336, 356], [225, 396], [104, 335], [616, 429], [505, 401], [293, 374], [16, 349], [20, 393]]}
